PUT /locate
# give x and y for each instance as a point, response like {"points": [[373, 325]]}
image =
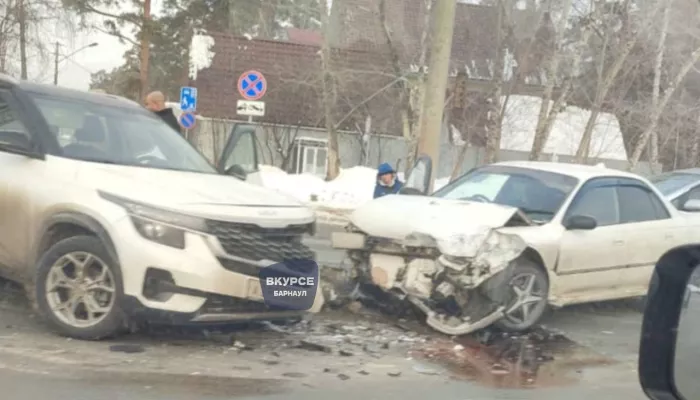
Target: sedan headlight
{"points": [[161, 226]]}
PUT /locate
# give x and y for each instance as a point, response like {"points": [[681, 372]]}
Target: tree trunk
{"points": [[544, 118], [4, 40], [654, 143], [457, 168], [329, 95], [656, 112], [231, 20], [22, 20], [267, 18], [493, 118], [145, 48]]}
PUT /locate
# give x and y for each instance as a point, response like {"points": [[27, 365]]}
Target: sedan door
{"points": [[649, 229], [596, 250]]}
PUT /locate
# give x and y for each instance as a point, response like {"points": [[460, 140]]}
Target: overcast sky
{"points": [[75, 71]]}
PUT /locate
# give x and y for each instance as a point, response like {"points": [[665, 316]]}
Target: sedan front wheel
{"points": [[529, 288]]}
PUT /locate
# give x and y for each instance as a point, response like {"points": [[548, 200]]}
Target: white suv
{"points": [[109, 215]]}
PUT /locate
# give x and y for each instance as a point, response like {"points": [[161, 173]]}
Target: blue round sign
{"points": [[187, 120], [252, 85]]}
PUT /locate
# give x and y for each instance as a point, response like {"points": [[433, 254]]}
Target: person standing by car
{"points": [[155, 102], [387, 182]]}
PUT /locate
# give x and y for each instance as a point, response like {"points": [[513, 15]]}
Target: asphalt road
{"points": [[596, 358]]}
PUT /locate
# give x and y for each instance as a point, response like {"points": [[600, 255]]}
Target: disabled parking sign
{"points": [[290, 285]]}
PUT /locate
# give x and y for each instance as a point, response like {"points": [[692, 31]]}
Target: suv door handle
{"points": [[618, 242]]}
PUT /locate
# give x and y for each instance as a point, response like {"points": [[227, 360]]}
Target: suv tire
{"points": [[95, 294]]}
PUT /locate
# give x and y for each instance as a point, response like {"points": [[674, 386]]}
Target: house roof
{"points": [[361, 63], [304, 36], [293, 73]]}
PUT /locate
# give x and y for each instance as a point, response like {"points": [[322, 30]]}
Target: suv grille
{"points": [[255, 243]]}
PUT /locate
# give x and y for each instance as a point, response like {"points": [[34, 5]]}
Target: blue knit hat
{"points": [[384, 169]]}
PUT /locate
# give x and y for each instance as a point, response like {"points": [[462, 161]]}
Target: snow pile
{"points": [[440, 182], [520, 122], [353, 187], [301, 187], [201, 54]]}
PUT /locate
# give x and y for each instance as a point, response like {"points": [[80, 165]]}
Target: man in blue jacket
{"points": [[387, 182]]}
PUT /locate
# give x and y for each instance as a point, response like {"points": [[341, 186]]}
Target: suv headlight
{"points": [[161, 226]]}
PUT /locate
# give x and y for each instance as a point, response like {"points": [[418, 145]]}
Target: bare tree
{"points": [[659, 108], [654, 144], [607, 74], [280, 140], [547, 115], [494, 115]]}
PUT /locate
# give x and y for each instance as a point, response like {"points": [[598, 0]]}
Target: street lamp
{"points": [[57, 60]]}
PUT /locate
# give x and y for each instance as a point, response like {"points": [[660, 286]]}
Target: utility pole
{"points": [[55, 64], [145, 46], [436, 84]]}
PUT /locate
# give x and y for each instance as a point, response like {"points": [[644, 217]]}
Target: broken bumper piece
{"points": [[455, 279], [442, 323]]}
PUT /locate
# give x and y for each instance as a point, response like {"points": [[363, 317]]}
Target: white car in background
{"points": [[681, 187], [502, 242]]}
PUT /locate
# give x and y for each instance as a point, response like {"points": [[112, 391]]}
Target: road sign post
{"points": [[252, 86], [188, 99]]}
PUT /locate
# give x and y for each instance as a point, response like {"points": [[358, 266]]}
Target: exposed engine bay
{"points": [[456, 274]]}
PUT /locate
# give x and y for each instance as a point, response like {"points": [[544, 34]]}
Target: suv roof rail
{"points": [[113, 96], [9, 79]]}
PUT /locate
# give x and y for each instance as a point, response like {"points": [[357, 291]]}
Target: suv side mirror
{"points": [[580, 222], [16, 142], [669, 339], [692, 205], [237, 171]]}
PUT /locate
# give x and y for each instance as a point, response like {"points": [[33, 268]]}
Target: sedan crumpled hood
{"points": [[460, 228]]}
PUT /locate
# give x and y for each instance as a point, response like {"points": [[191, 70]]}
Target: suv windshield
{"points": [[117, 135], [539, 194], [673, 181]]}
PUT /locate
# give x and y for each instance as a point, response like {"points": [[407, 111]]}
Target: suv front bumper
{"points": [[201, 283]]}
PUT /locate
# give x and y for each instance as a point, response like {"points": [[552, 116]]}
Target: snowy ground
{"points": [[352, 188]]}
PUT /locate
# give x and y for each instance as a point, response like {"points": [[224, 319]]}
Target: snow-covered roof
{"points": [[579, 171], [520, 122]]}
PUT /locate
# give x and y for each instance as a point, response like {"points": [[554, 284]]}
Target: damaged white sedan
{"points": [[500, 243]]}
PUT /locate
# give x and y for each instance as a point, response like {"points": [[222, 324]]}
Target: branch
{"points": [[109, 15], [656, 113], [117, 35], [368, 99]]}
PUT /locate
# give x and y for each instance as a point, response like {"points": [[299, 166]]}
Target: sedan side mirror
{"points": [[237, 171], [580, 222], [692, 205]]}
